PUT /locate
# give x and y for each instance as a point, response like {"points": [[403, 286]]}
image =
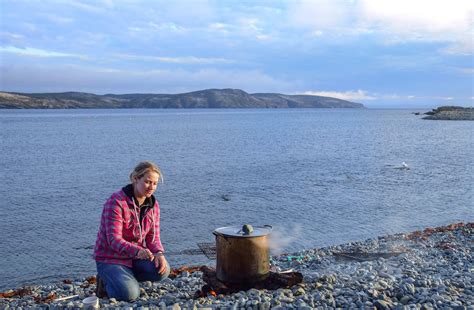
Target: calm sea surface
{"points": [[319, 176]]}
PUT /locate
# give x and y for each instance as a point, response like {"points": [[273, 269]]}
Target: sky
{"points": [[382, 53]]}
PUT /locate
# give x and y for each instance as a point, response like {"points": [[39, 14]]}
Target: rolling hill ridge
{"points": [[209, 98]]}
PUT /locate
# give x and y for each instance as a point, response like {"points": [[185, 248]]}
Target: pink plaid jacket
{"points": [[120, 235]]}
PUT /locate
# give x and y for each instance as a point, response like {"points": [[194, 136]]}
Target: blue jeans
{"points": [[121, 282]]}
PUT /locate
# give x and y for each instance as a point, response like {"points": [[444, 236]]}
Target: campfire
{"points": [[243, 262], [273, 281]]}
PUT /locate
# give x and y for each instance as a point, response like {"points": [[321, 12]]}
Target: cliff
{"points": [[210, 98]]}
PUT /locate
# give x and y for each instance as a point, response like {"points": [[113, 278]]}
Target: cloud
{"points": [[220, 26], [463, 46], [195, 60], [333, 45], [262, 37], [87, 7], [110, 80], [319, 14], [195, 12], [250, 23], [109, 3], [469, 71], [159, 27], [29, 51], [11, 38], [249, 27], [317, 33], [423, 20], [390, 21], [370, 96], [348, 95], [60, 20], [179, 60], [167, 27], [425, 16]]}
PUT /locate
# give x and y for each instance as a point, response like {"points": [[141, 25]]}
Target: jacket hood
{"points": [[128, 190]]}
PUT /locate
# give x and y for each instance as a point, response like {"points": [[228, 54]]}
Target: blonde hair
{"points": [[143, 168]]}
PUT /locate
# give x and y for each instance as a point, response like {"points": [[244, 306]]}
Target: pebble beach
{"points": [[429, 269]]}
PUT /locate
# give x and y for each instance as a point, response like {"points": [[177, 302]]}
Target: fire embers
{"points": [[274, 281], [177, 271]]}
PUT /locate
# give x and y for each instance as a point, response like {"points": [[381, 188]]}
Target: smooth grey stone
{"points": [[242, 300], [68, 287], [176, 307], [405, 299], [299, 291], [386, 275], [162, 305], [265, 306], [287, 300], [147, 284], [381, 304], [410, 288]]}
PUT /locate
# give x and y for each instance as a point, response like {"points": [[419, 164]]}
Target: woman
{"points": [[128, 247]]}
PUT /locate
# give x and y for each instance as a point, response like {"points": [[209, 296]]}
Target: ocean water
{"points": [[318, 176]]}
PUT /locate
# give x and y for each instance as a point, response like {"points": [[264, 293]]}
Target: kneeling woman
{"points": [[128, 247]]}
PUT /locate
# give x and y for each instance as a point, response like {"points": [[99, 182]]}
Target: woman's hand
{"points": [[160, 263], [145, 254]]}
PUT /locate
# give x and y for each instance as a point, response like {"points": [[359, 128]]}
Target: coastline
{"points": [[433, 268]]}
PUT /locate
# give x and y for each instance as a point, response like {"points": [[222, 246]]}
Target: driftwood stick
{"points": [[66, 298]]}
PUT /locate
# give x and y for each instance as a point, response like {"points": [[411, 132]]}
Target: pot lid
{"points": [[245, 231]]}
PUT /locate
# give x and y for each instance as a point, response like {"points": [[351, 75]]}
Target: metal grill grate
{"points": [[208, 249], [190, 252], [362, 256], [205, 248]]}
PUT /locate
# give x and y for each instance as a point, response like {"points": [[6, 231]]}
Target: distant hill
{"points": [[209, 98]]}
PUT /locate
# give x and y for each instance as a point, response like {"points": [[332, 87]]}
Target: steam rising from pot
{"points": [[281, 237]]}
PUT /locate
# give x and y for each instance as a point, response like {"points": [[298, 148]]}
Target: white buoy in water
{"points": [[404, 166]]}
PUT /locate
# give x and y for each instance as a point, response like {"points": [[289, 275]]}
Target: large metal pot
{"points": [[242, 253]]}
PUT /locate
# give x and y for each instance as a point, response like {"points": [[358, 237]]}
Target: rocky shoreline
{"points": [[451, 113], [429, 269]]}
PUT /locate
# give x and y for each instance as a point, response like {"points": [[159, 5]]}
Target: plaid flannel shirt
{"points": [[119, 238]]}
